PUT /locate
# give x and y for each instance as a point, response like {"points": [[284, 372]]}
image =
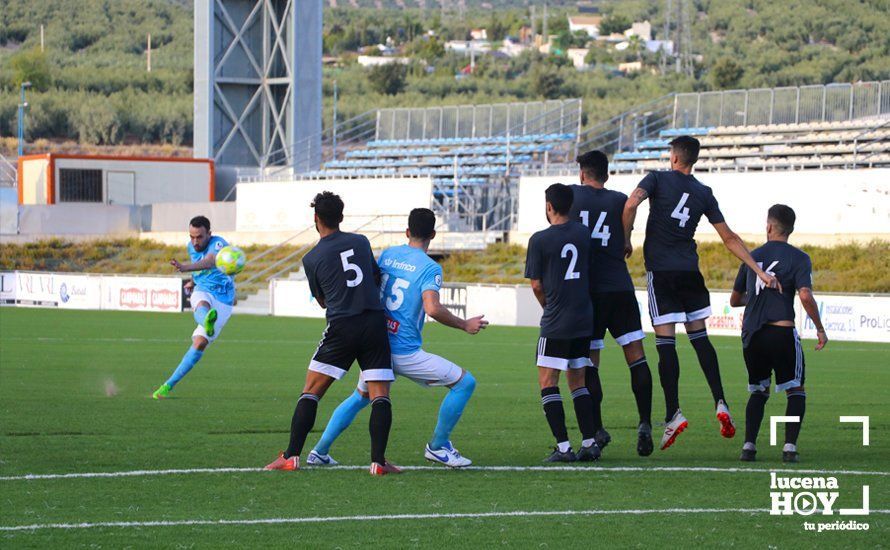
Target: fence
{"points": [[829, 103]]}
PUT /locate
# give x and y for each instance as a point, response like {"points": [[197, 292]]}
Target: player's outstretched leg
{"points": [[189, 360], [797, 405], [707, 358], [440, 448], [753, 419], [341, 418]]}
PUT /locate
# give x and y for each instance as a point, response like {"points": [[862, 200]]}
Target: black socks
{"points": [[595, 389], [379, 426], [797, 406], [641, 384], [707, 358], [554, 412], [585, 412], [754, 415], [301, 423], [669, 373]]}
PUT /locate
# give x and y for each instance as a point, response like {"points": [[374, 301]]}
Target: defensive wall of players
{"points": [[864, 318]]}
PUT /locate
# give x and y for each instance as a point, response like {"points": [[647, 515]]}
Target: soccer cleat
{"points": [[210, 322], [727, 426], [790, 456], [557, 456], [447, 456], [644, 440], [673, 428], [287, 464], [378, 469], [602, 438], [316, 459], [591, 453], [748, 455], [162, 392]]}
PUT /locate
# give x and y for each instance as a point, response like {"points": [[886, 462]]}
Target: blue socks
{"points": [[452, 407], [343, 416], [189, 360], [199, 313]]}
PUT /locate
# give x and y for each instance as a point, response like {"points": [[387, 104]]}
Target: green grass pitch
{"points": [[74, 398]]}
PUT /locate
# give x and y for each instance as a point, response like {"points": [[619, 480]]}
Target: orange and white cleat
{"points": [[287, 464], [727, 426], [673, 428], [378, 469]]}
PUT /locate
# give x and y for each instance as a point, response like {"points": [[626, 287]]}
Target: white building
{"points": [[377, 60], [577, 56], [587, 23], [643, 30]]}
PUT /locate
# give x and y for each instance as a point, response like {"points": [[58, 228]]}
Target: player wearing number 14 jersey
{"points": [[677, 292], [343, 278]]}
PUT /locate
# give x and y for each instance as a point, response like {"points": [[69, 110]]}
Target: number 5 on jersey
{"points": [[397, 296], [347, 267]]}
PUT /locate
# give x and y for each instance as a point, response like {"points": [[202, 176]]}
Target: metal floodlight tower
{"points": [[258, 82]]}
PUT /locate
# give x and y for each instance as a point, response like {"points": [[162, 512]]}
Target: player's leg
{"points": [[601, 316], [341, 418], [641, 385], [665, 311], [757, 356], [551, 400], [707, 358], [792, 382], [375, 360], [576, 377]]}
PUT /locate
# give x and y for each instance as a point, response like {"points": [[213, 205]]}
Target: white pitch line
{"points": [[396, 517], [591, 469]]}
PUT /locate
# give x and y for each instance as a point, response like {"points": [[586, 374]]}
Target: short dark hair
{"points": [[200, 221], [560, 197], [329, 209], [783, 216], [594, 164], [422, 223], [687, 148]]}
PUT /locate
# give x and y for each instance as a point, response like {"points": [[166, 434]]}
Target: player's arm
{"points": [[739, 296], [538, 289], [207, 262], [812, 308], [629, 215], [736, 245], [314, 287], [434, 308]]}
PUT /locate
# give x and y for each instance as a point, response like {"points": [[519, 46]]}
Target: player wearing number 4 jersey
{"points": [[343, 278], [677, 292], [559, 268], [612, 292], [410, 290]]}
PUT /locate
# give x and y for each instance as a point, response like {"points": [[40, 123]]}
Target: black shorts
{"points": [[620, 313], [677, 297], [359, 338], [563, 354], [777, 350]]}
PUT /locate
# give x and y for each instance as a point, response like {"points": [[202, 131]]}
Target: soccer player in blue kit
{"points": [[410, 285], [212, 297]]}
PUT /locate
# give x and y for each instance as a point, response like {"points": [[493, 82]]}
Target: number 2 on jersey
{"points": [[347, 267], [681, 212], [568, 249], [600, 231]]}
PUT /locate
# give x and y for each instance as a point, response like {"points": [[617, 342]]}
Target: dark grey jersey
{"points": [[559, 257], [600, 210], [791, 266], [676, 204], [342, 271]]}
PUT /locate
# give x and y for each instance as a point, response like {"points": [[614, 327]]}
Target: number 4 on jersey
{"points": [[600, 231], [681, 212]]}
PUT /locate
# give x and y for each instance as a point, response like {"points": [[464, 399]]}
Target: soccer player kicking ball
{"points": [[769, 340], [343, 278], [410, 290], [677, 292], [612, 292], [212, 297], [559, 269]]}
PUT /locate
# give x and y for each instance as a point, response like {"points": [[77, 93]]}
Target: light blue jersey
{"points": [[407, 273], [213, 281]]}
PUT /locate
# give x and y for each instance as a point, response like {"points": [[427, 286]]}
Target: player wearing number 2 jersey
{"points": [[612, 292], [410, 287], [677, 292], [343, 278]]}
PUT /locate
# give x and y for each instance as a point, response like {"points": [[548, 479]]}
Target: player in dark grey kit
{"points": [[677, 292], [344, 277], [558, 266], [770, 342], [612, 292]]}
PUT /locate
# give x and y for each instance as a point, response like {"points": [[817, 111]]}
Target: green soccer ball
{"points": [[231, 260]]}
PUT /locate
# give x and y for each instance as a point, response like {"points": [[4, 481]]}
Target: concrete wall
{"points": [[831, 205], [9, 211], [80, 218], [175, 216]]}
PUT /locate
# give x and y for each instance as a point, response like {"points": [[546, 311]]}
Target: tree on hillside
{"points": [[31, 66], [725, 73], [388, 79], [614, 24]]}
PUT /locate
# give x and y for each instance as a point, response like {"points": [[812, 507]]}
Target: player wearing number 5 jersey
{"points": [[343, 278], [410, 291], [612, 292], [559, 268], [677, 292]]}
